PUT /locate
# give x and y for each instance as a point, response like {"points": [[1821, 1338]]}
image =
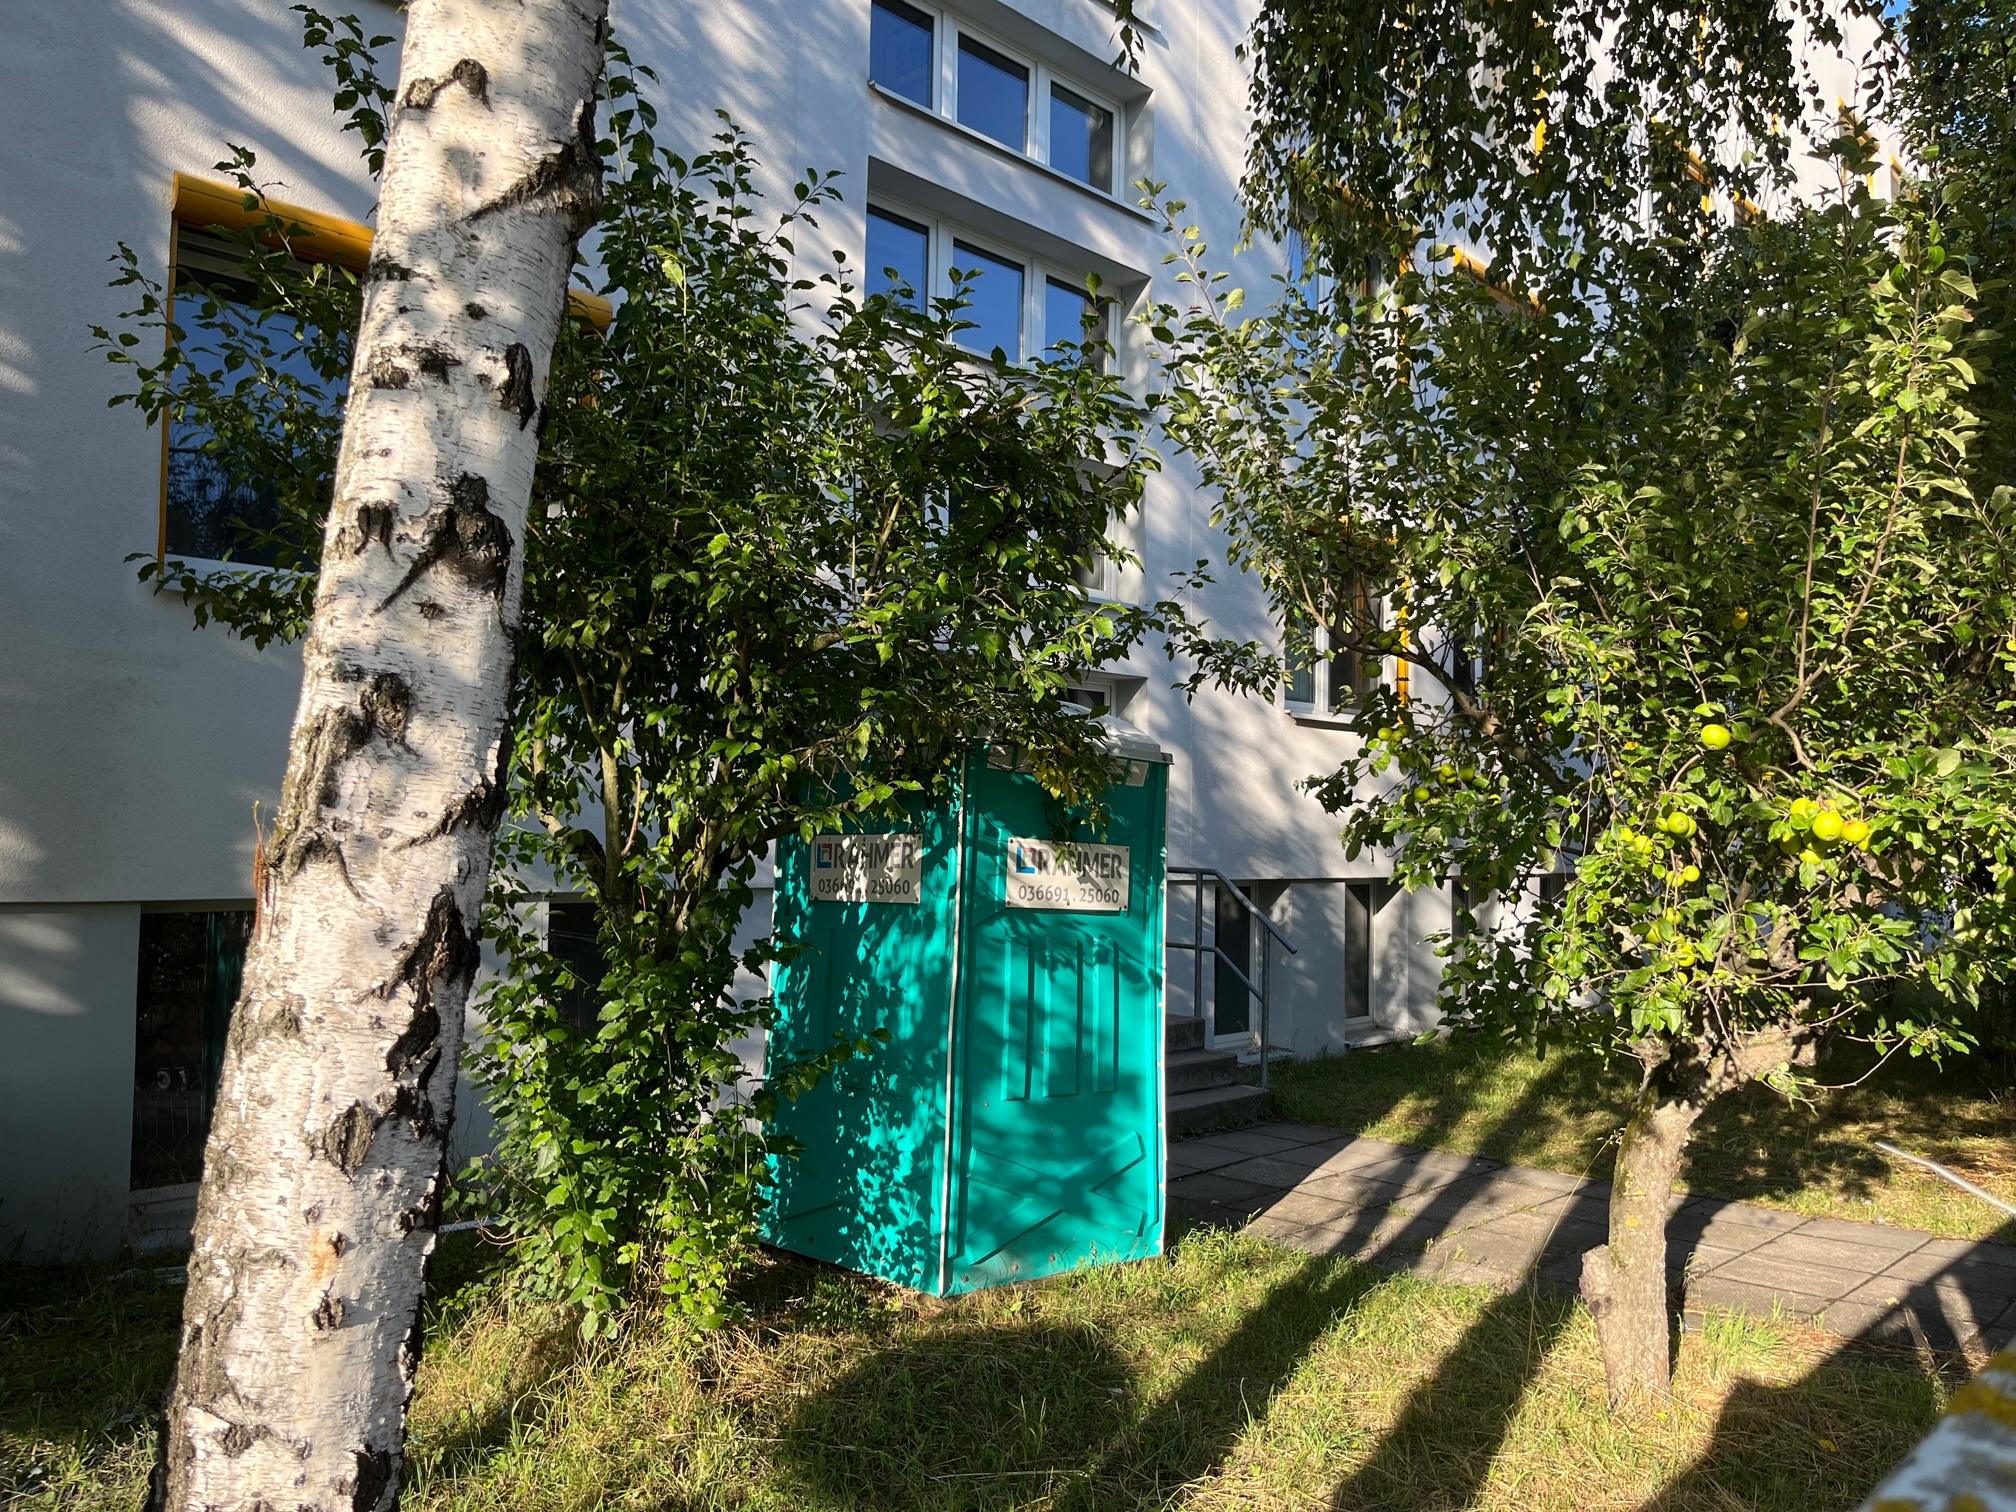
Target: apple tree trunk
{"points": [[1624, 1280], [323, 1175]]}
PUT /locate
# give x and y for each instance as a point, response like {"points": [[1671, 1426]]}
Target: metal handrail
{"points": [[1198, 873], [1196, 876]]}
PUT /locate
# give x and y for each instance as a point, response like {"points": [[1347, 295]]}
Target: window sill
{"points": [[1001, 149], [1315, 721]]}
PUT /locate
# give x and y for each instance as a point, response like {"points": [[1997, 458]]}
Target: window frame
{"points": [[312, 236], [946, 30], [1322, 707], [940, 258]]}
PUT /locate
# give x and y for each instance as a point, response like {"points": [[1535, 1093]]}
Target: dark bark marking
{"points": [[482, 806], [426, 1214], [373, 524], [540, 429], [429, 610], [373, 1476], [328, 1313], [464, 536], [433, 360], [382, 266], [474, 310], [409, 1353], [383, 708], [236, 1439], [445, 954], [471, 75], [346, 1143], [516, 394], [567, 181], [384, 373]]}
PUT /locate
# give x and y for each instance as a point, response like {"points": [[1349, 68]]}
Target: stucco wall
{"points": [[66, 1078]]}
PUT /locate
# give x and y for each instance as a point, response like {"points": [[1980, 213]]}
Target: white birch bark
{"points": [[323, 1175]]}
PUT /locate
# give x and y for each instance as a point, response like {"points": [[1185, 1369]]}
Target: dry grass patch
{"points": [[1233, 1374]]}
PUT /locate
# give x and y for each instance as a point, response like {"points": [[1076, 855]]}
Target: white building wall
{"points": [[133, 748]]}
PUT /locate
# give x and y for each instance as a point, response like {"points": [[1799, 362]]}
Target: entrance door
{"points": [[1232, 1004]]}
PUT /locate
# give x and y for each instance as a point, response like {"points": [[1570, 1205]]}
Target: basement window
{"points": [[191, 964]]}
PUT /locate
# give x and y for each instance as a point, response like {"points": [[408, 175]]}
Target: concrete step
{"points": [[1214, 1108], [1194, 1070], [1183, 1034]]}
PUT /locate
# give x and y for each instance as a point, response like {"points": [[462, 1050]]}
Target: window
{"points": [[993, 301], [902, 51], [1081, 138], [899, 256], [934, 60], [205, 515], [1358, 907], [1098, 700], [993, 94], [1323, 680], [209, 514], [190, 968], [1070, 321], [574, 939], [1015, 301]]}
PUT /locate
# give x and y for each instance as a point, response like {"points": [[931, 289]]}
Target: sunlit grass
{"points": [[1470, 1096], [1233, 1374]]}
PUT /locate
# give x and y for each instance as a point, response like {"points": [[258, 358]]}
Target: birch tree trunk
{"points": [[323, 1175]]}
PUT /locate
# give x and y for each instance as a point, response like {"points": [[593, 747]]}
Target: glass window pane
{"points": [[1064, 312], [899, 257], [899, 50], [993, 94], [1081, 138], [213, 515], [994, 302], [190, 964], [1301, 688]]}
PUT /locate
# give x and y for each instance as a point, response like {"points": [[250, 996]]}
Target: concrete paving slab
{"points": [[1209, 1186], [1798, 1279], [1993, 1256], [1720, 1210], [1928, 1264], [1803, 1246], [1868, 1235], [1253, 1142], [1301, 1133]]}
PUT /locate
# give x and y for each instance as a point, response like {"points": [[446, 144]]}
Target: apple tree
{"points": [[1711, 626]]}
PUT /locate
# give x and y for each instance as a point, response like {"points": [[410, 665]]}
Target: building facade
{"points": [[135, 750]]}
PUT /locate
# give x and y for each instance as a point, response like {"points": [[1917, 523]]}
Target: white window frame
{"points": [[941, 256], [1321, 708], [946, 30]]}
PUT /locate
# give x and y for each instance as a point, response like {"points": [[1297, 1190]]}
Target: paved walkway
{"points": [[1459, 1218]]}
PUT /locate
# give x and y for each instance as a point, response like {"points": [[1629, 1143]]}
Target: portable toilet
{"points": [[1012, 1125]]}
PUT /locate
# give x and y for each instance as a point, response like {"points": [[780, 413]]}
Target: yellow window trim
{"points": [[312, 235], [315, 235]]}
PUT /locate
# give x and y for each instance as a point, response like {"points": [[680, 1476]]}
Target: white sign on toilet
{"points": [[1078, 878]]}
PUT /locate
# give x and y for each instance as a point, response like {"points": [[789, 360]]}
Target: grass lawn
{"points": [[1469, 1096], [1232, 1375]]}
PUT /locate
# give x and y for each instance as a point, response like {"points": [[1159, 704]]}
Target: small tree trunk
{"points": [[323, 1174], [1624, 1281]]}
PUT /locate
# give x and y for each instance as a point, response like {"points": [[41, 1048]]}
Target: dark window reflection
{"points": [[1065, 311], [191, 965], [574, 939], [994, 301], [1081, 138], [898, 256], [900, 51], [993, 94]]}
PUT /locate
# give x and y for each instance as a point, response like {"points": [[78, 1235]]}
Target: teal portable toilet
{"points": [[1012, 1126]]}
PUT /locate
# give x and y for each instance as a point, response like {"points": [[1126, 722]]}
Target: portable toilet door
{"points": [[1012, 1125], [1057, 1145]]}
